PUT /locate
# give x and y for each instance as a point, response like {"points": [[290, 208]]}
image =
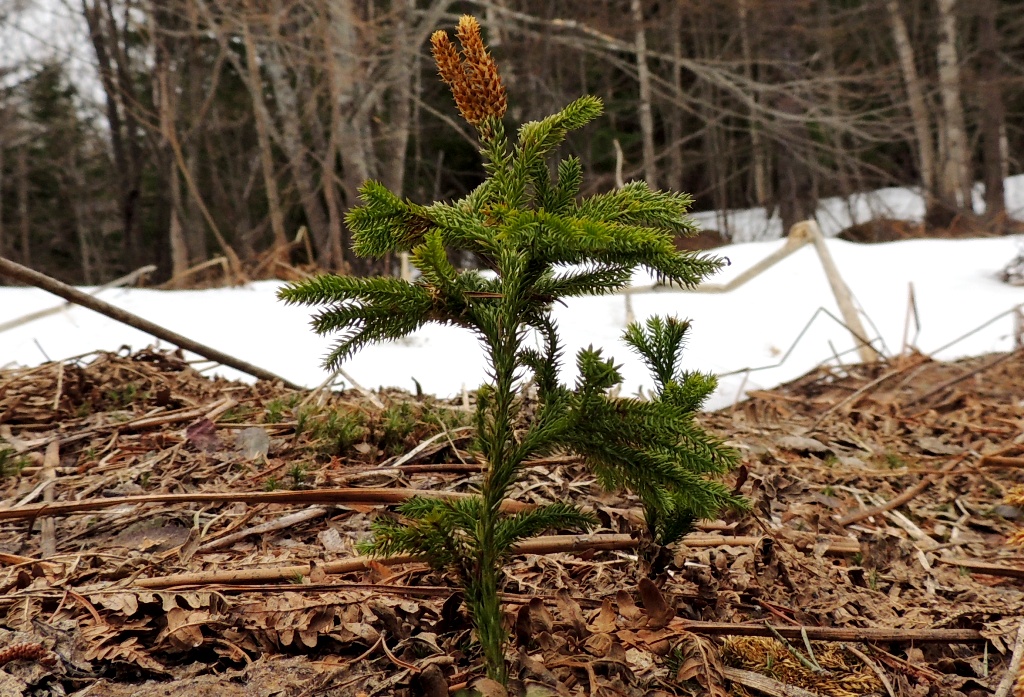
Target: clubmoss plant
{"points": [[543, 243]]}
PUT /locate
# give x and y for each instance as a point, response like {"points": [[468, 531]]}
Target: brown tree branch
{"points": [[24, 274]]}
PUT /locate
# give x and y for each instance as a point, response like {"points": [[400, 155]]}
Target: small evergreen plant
{"points": [[543, 243]]}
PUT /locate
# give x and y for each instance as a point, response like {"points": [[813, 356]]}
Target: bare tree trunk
{"points": [[675, 123], [840, 155], [3, 236], [404, 61], [644, 109], [915, 96], [348, 114], [793, 144], [346, 70], [759, 159], [289, 116], [179, 247], [75, 182], [165, 97], [262, 119], [119, 89], [24, 222], [335, 245], [993, 111], [956, 180]]}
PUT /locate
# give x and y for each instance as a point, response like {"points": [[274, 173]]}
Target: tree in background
{"points": [[228, 126]]}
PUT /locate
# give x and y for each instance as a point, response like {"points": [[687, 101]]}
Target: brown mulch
{"points": [[216, 520]]}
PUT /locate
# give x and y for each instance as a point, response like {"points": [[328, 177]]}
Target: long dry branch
{"points": [[858, 634], [903, 498], [983, 567], [548, 544], [365, 495], [24, 274]]}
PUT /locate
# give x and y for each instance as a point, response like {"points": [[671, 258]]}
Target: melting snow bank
{"points": [[836, 214], [956, 283]]}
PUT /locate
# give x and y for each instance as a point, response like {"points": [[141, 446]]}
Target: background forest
{"points": [[216, 129]]}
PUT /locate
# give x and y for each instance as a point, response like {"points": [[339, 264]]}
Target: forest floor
{"points": [[163, 533]]}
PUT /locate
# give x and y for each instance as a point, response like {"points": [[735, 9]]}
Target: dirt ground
{"points": [[162, 533]]}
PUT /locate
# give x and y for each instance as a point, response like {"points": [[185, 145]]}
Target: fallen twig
{"points": [[126, 280], [853, 634], [311, 513], [548, 544], [960, 378], [48, 526], [1012, 670], [26, 275], [338, 496], [996, 461], [903, 498], [762, 683], [983, 567], [875, 668]]}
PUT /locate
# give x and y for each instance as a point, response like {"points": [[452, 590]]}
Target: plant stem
{"points": [[485, 605], [483, 588]]}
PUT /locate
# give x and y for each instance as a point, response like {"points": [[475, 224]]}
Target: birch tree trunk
{"points": [[955, 181], [644, 109]]}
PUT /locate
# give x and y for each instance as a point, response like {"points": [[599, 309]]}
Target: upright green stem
{"points": [[483, 589]]}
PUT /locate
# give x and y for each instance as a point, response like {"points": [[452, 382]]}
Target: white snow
{"points": [[956, 284], [836, 214]]}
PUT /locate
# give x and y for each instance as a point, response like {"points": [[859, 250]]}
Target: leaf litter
{"points": [[883, 555]]}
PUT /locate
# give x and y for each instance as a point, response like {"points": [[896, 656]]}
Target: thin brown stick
{"points": [[856, 396], [1012, 670], [762, 683], [548, 544], [961, 378], [303, 516], [852, 634], [126, 280], [26, 275], [875, 668], [898, 501], [48, 525], [382, 496], [996, 461], [983, 567], [394, 659], [918, 671]]}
